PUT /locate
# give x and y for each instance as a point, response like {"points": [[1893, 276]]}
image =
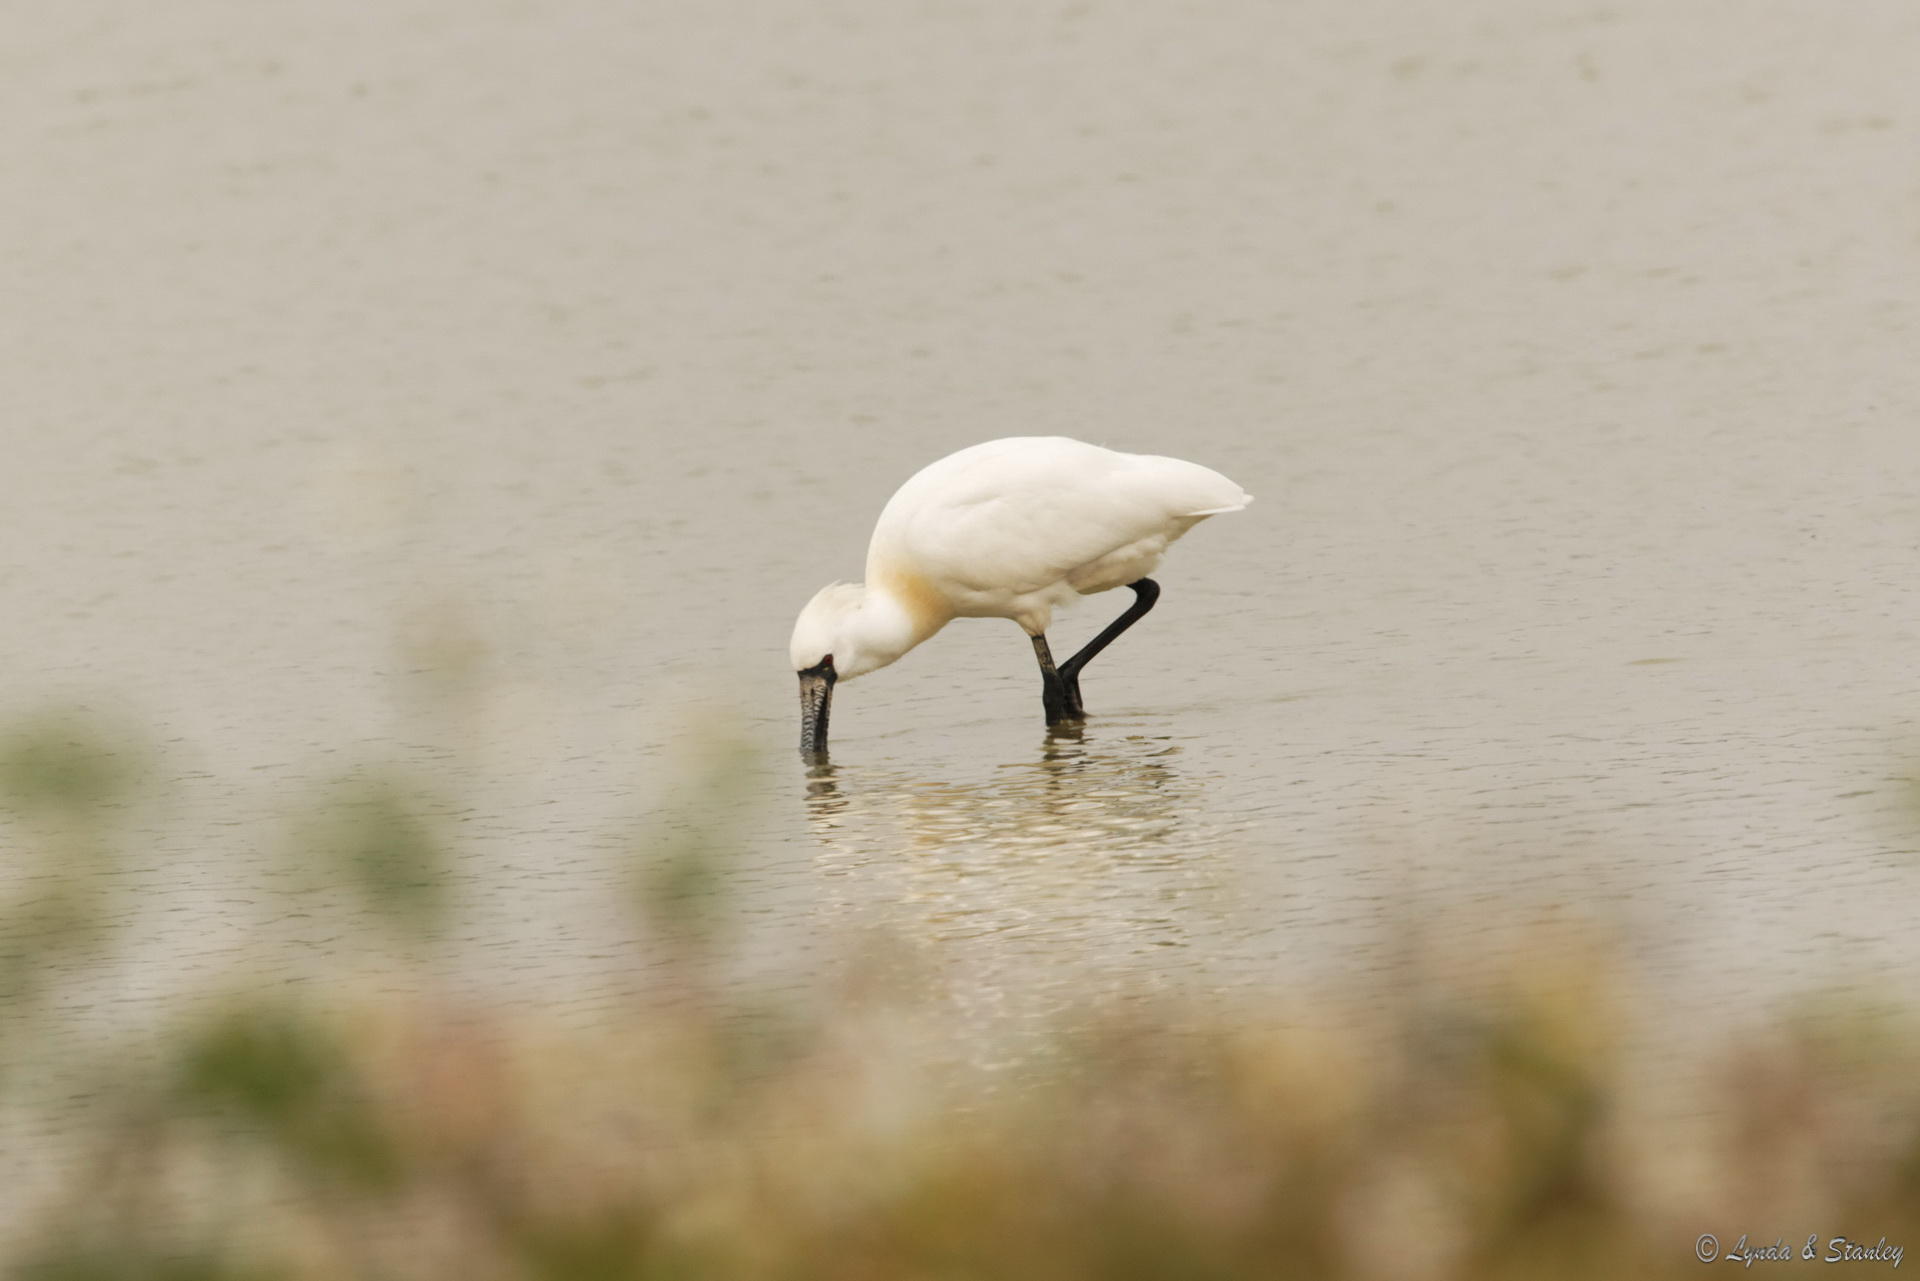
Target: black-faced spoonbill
{"points": [[1008, 529]]}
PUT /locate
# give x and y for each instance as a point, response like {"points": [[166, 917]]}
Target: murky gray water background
{"points": [[482, 388]]}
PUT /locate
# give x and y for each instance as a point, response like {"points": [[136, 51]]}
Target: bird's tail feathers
{"points": [[1233, 507]]}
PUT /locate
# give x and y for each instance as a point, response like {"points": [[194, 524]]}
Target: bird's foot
{"points": [[1061, 698]]}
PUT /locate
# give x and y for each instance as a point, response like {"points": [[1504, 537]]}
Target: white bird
{"points": [[1007, 529]]}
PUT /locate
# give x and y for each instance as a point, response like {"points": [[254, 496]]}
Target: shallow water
{"points": [[483, 389]]}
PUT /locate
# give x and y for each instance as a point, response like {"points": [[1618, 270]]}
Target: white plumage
{"points": [[1006, 529], [1011, 528]]}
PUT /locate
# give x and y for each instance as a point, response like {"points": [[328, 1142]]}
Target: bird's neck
{"points": [[897, 613]]}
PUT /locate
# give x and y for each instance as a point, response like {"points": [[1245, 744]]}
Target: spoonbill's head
{"points": [[848, 630], [826, 648]]}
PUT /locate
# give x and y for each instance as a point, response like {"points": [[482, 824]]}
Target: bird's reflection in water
{"points": [[1086, 863]]}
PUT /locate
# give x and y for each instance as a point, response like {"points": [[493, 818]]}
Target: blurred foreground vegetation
{"points": [[1493, 1129]]}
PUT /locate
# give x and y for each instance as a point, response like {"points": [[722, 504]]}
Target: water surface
{"points": [[480, 390]]}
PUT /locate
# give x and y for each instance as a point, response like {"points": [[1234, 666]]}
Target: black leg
{"points": [[1145, 593], [1061, 703]]}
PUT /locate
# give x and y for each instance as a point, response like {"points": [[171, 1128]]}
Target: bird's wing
{"points": [[1023, 519]]}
